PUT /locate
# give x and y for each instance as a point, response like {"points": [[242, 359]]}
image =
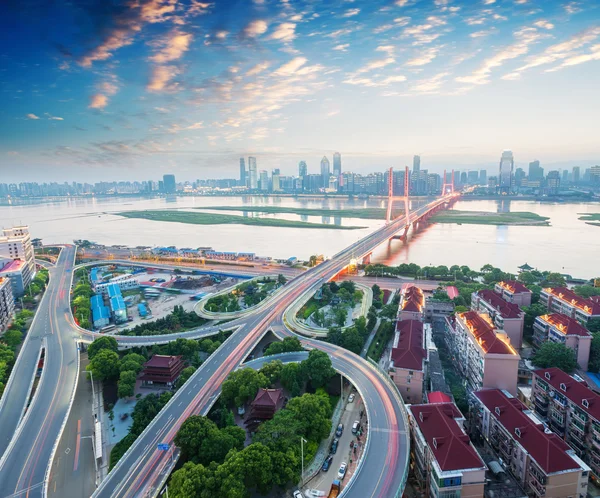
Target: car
{"points": [[298, 494], [351, 398], [327, 463], [314, 493], [340, 430], [342, 471], [355, 426], [334, 446], [241, 411]]}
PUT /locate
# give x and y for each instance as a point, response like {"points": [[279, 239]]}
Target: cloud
{"points": [[290, 67], [108, 88], [161, 77], [543, 24], [284, 32], [482, 33], [258, 68], [575, 60], [55, 118], [425, 57], [172, 46], [379, 63], [489, 2], [401, 3], [351, 13], [369, 82], [32, 116], [98, 101], [256, 28], [341, 47], [429, 85], [573, 8]]}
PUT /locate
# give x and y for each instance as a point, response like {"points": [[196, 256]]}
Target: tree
{"points": [[349, 285], [291, 378], [272, 371], [313, 411], [460, 309], [555, 280], [593, 325], [220, 442], [594, 363], [288, 345], [527, 278], [586, 291], [193, 481], [132, 362], [186, 373], [352, 341], [340, 316], [317, 368], [126, 386], [312, 261], [12, 337], [555, 354], [104, 365], [281, 280], [334, 287], [242, 385], [252, 465], [376, 292], [102, 343], [531, 313]]}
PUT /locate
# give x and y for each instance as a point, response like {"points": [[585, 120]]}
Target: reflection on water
{"points": [[568, 245]]}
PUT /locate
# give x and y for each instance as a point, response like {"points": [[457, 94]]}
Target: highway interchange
{"points": [[27, 447]]}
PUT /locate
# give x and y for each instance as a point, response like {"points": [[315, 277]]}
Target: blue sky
{"points": [[99, 89]]}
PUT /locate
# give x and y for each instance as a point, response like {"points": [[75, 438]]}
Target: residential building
{"points": [[514, 292], [408, 360], [169, 185], [325, 172], [553, 181], [536, 172], [337, 164], [412, 304], [437, 309], [15, 244], [253, 173], [543, 464], [416, 164], [275, 176], [505, 173], [483, 177], [564, 300], [576, 174], [162, 370], [595, 175], [7, 303], [563, 329], [242, 172], [264, 180], [15, 271], [482, 354], [506, 316], [444, 460]]}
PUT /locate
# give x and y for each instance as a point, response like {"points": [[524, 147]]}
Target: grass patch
{"points": [[485, 218], [224, 219], [590, 218], [363, 213]]}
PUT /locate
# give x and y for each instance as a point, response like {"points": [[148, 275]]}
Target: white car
{"points": [[351, 398], [314, 493], [342, 471], [298, 494]]}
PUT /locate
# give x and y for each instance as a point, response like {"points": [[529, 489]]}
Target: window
{"points": [[563, 387], [497, 410], [518, 432], [410, 372], [547, 375], [585, 403]]}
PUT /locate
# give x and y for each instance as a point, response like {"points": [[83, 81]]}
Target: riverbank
{"points": [[362, 213], [225, 219], [590, 218], [486, 218]]}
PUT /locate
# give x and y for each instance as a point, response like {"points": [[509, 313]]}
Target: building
{"points": [[436, 310], [595, 175], [15, 244], [575, 176], [100, 312], [505, 173], [514, 292], [412, 304], [15, 271], [506, 316], [7, 303], [337, 164], [123, 282], [536, 172], [161, 370], [242, 172], [473, 177], [253, 173], [169, 185], [557, 327], [264, 180], [553, 181], [564, 300], [408, 360], [442, 456], [266, 403], [482, 354], [275, 175], [325, 172], [543, 464], [483, 177]]}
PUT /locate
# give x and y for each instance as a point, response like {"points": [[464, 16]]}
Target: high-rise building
{"points": [[264, 180], [595, 174], [7, 303], [275, 176], [337, 164], [473, 177], [242, 172], [553, 181], [253, 173], [325, 172], [483, 177], [416, 164], [505, 173], [536, 172], [463, 178], [150, 186], [565, 176], [519, 176], [15, 245], [576, 173], [169, 185], [302, 169]]}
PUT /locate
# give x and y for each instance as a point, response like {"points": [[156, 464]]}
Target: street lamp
{"points": [[302, 441], [93, 392]]}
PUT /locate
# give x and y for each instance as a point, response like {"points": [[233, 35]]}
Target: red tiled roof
{"points": [[547, 449], [409, 353], [484, 334], [14, 265], [514, 286], [565, 324], [453, 451], [412, 300], [268, 398], [570, 297], [506, 309], [162, 361], [576, 391], [438, 397], [452, 291]]}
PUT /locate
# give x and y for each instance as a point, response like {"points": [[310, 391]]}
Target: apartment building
{"points": [[7, 304], [411, 304], [572, 410], [565, 301], [482, 354], [557, 327], [444, 460], [543, 464], [514, 292], [408, 360], [505, 315], [15, 244]]}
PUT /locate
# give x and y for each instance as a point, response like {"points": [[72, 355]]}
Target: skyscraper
{"points": [[275, 175], [242, 172], [483, 177], [169, 184], [535, 171], [505, 174], [253, 173], [264, 180], [325, 172], [337, 164], [302, 169], [576, 173], [416, 164]]}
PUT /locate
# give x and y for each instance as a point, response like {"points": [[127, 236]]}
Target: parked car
{"points": [[342, 471], [340, 430], [298, 494], [327, 463], [351, 398], [334, 446], [355, 426]]}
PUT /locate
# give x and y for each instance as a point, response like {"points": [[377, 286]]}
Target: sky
{"points": [[95, 90]]}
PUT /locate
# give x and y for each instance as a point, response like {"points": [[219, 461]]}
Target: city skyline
{"points": [[190, 87]]}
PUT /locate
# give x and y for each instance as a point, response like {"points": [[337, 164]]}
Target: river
{"points": [[568, 245]]}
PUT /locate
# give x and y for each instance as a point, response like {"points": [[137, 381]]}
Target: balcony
{"points": [[541, 401], [536, 488]]}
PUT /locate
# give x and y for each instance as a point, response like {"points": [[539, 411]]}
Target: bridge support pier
{"points": [[367, 259]]}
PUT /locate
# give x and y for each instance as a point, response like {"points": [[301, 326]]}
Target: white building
{"points": [[15, 244], [7, 303], [505, 175], [253, 173]]}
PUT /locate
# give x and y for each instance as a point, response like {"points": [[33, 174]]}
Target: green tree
{"points": [[281, 280], [132, 362], [272, 371], [126, 385], [594, 363], [242, 386], [193, 481], [348, 285], [352, 341], [460, 309], [313, 411], [252, 465], [192, 434], [291, 378], [186, 373], [12, 337], [317, 368], [527, 278], [554, 354], [554, 279], [340, 316], [220, 442], [102, 343], [288, 345], [593, 325], [531, 313], [586, 291], [312, 261], [104, 365]]}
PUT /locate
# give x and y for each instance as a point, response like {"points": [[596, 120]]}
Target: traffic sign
{"points": [[163, 446]]}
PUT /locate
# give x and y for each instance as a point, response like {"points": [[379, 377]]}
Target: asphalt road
{"points": [[25, 460]]}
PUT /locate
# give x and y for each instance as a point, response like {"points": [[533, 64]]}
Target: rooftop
{"points": [[14, 265], [448, 443], [268, 397], [483, 332], [591, 306], [564, 324], [513, 286], [546, 448], [162, 361], [575, 390], [409, 352], [412, 299], [506, 309], [438, 397]]}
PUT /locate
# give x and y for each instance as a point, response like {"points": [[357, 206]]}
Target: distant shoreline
{"points": [[487, 218]]}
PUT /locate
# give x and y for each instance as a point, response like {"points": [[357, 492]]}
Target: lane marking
{"points": [[77, 446]]}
